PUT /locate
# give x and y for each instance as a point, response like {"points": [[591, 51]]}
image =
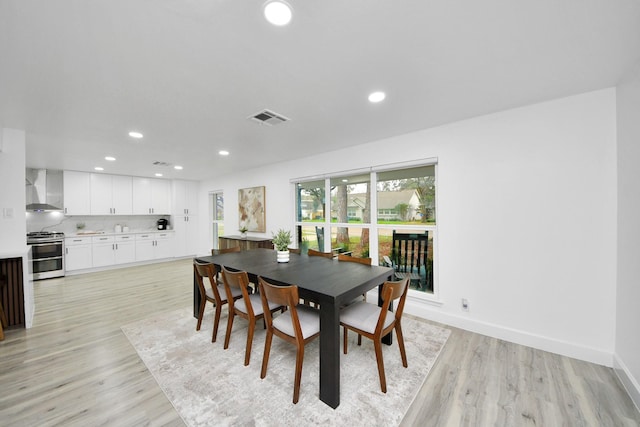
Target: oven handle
{"points": [[57, 242]]}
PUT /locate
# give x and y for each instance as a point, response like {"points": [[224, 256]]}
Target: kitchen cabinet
{"points": [[78, 253], [186, 235], [110, 250], [151, 196], [185, 197], [151, 246], [111, 194], [77, 193]]}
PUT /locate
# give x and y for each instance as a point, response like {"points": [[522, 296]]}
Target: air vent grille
{"points": [[268, 117]]}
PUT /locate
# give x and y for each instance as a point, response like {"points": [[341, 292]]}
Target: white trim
{"points": [[405, 165], [430, 310], [626, 378], [377, 168]]}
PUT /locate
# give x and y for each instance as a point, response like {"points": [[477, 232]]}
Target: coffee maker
{"points": [[162, 224]]}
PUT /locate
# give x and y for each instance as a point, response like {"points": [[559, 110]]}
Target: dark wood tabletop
{"points": [[326, 281]]}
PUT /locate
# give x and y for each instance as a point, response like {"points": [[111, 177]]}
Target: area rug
{"points": [[210, 386]]}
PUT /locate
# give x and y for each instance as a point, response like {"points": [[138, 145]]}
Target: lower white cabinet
{"points": [[111, 250], [154, 246], [78, 253]]}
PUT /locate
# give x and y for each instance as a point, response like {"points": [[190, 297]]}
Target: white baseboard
{"points": [[430, 311], [628, 381]]}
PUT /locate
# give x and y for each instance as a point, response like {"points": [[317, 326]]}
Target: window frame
{"points": [[374, 226]]}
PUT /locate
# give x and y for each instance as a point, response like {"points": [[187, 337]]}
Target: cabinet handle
{"points": [[66, 250], [116, 246]]}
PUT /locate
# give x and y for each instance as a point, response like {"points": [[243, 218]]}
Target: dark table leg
{"points": [[330, 354], [196, 297]]}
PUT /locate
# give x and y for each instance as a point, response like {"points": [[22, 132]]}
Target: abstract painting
{"points": [[251, 210]]}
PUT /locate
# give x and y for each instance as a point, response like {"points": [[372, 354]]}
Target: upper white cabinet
{"points": [[111, 194], [77, 193], [185, 197], [151, 196]]}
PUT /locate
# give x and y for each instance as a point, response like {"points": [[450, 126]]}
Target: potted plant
{"points": [[281, 240], [243, 231]]}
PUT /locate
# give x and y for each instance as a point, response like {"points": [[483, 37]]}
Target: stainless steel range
{"points": [[47, 251]]}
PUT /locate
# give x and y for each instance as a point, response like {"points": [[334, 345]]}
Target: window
{"points": [[216, 203], [387, 214]]}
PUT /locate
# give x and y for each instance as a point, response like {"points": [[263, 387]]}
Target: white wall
{"points": [[527, 219], [627, 347], [12, 191]]}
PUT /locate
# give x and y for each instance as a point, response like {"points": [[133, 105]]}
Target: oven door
{"points": [[47, 260], [46, 250]]}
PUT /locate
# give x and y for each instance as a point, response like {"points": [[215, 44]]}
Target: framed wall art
{"points": [[251, 209]]}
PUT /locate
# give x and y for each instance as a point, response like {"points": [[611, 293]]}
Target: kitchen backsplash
{"points": [[56, 221]]}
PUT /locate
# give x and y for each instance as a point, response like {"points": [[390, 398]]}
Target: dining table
{"points": [[327, 282]]}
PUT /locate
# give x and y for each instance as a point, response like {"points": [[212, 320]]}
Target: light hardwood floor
{"points": [[75, 366]]}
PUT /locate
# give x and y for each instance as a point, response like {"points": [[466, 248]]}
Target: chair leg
{"points": [[344, 343], [383, 381], [247, 353], [265, 356], [229, 327], [299, 360], [359, 339], [216, 321], [3, 323], [203, 302], [400, 338]]}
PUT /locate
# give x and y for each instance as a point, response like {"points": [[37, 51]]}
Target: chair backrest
{"points": [[392, 291], [208, 270], [409, 251], [237, 279], [225, 250], [294, 250], [349, 258], [313, 252], [281, 295]]}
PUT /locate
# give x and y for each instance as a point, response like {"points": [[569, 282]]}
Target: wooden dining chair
{"points": [[349, 258], [225, 250], [313, 252], [214, 293], [375, 322], [294, 250], [248, 307], [298, 325]]}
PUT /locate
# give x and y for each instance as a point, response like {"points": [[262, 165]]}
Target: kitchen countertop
{"points": [[112, 233]]}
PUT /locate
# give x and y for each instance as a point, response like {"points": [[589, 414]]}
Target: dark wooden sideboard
{"points": [[245, 243]]}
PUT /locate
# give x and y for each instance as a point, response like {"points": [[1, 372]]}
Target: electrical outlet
{"points": [[465, 304]]}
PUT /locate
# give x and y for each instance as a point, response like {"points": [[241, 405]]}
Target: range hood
{"points": [[44, 190]]}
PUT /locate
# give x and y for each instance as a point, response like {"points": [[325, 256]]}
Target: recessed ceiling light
{"points": [[277, 12], [134, 134], [345, 180], [178, 167], [110, 159], [98, 168], [158, 174], [223, 152], [377, 97]]}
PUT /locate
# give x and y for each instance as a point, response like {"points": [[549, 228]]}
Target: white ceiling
{"points": [[77, 75]]}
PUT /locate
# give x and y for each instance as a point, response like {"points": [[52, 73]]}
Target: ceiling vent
{"points": [[157, 163], [268, 118]]}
